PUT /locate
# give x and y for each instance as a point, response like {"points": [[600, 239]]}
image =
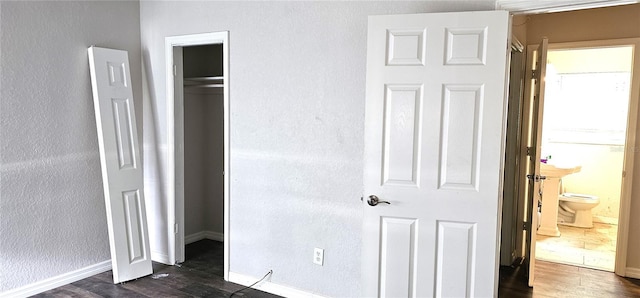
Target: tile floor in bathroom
{"points": [[593, 248]]}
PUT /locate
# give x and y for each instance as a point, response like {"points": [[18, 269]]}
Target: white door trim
{"points": [[175, 144], [536, 6], [632, 123]]}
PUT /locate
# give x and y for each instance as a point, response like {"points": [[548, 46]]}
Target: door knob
{"points": [[374, 200]]}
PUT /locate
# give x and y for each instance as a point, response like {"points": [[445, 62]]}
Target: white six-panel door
{"points": [[121, 164], [434, 148]]}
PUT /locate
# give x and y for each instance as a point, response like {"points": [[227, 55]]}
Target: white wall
{"points": [[52, 214], [297, 118], [599, 176], [194, 164]]}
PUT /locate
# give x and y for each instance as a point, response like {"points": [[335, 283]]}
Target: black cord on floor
{"points": [[255, 283]]}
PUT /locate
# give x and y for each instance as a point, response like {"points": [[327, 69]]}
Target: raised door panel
{"points": [[401, 145]]}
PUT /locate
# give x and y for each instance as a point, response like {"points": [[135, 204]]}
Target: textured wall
{"points": [[214, 204], [519, 28], [52, 214], [592, 24], [599, 176], [297, 119]]}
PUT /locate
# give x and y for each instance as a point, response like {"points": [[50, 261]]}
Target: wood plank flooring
{"points": [[201, 275], [559, 280]]}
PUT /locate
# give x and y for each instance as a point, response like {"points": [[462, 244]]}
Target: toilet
{"points": [[575, 209]]}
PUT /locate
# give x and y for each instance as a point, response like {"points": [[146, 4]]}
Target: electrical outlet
{"points": [[318, 256]]}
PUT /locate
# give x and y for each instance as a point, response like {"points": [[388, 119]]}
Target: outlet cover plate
{"points": [[318, 256]]}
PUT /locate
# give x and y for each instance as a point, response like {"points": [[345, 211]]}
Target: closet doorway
{"points": [[198, 141]]}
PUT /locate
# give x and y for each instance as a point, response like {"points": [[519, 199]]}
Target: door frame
{"points": [[512, 217], [630, 142], [537, 7], [175, 143]]}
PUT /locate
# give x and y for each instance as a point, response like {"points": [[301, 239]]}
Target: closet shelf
{"points": [[204, 82]]}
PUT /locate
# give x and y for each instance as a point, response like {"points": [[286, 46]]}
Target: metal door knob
{"points": [[374, 200]]}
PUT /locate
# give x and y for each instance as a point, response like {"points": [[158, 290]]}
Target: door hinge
{"points": [[536, 178], [175, 70], [529, 151], [534, 73], [175, 229], [525, 226]]}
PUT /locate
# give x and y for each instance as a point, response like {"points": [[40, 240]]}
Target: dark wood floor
{"points": [[558, 280], [201, 275]]}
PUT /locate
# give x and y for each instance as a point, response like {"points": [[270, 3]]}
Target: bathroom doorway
{"points": [[585, 125]]}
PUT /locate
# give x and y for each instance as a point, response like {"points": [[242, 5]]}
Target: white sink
{"points": [[549, 211], [552, 171]]}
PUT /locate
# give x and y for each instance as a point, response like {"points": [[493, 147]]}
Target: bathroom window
{"points": [[587, 105]]}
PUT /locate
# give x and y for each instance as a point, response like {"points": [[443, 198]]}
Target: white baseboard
{"points": [[216, 236], [632, 272], [606, 220], [549, 231], [58, 281], [269, 287], [160, 258], [163, 258]]}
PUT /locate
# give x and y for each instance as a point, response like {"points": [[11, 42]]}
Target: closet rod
{"points": [[204, 82], [203, 79], [205, 86]]}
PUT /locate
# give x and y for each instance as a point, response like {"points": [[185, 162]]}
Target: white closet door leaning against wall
{"points": [[121, 164]]}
